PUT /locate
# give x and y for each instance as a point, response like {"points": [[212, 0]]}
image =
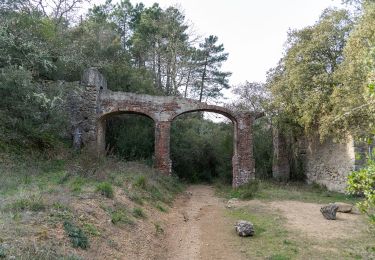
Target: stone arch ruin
{"points": [[101, 103]]}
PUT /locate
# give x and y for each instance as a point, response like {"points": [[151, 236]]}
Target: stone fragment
{"points": [[344, 207], [329, 211], [244, 228]]}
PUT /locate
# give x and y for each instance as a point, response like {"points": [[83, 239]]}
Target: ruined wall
{"points": [[329, 163]]}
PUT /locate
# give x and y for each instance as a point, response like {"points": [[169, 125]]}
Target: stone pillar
{"points": [[280, 164], [93, 136], [243, 161], [163, 162]]}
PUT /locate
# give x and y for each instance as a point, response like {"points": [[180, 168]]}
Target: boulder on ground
{"points": [[329, 211], [244, 228], [344, 207]]}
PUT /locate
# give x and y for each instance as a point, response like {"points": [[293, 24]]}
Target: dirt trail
{"points": [[198, 229]]}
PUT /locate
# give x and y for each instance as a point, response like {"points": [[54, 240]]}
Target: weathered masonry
{"points": [[100, 103]]}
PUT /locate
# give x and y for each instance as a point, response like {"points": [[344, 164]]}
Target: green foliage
{"points": [[201, 149], [139, 213], [305, 79], [362, 183], [141, 182], [33, 204], [105, 188], [161, 207], [77, 237], [246, 191], [131, 137], [120, 216]]}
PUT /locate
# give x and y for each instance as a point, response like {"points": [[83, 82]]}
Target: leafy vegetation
{"points": [[76, 235], [362, 183], [105, 188]]}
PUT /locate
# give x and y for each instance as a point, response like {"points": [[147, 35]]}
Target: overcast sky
{"points": [[252, 31]]}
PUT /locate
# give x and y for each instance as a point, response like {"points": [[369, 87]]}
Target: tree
{"points": [[304, 80], [210, 57]]}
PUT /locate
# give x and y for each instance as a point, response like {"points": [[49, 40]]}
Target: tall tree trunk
{"points": [[203, 79]]}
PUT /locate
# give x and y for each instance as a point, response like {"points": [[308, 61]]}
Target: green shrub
{"points": [[139, 213], [76, 235], [362, 183], [120, 217], [91, 229], [105, 188]]}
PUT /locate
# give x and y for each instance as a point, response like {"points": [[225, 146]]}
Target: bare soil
{"points": [[199, 228]]}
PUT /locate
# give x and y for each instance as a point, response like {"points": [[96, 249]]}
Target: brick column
{"points": [[163, 162], [243, 161], [280, 163]]}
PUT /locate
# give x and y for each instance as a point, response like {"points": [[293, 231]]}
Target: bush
{"points": [[362, 183], [76, 235], [105, 188], [120, 217]]}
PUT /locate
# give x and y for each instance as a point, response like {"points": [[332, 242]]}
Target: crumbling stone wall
{"points": [[99, 103], [329, 163]]}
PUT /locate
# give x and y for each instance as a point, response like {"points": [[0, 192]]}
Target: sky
{"points": [[253, 31]]}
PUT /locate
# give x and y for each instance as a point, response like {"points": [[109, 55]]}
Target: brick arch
{"points": [[213, 109], [100, 103], [101, 126]]}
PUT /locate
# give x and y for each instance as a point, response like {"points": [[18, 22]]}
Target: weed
{"points": [[158, 229], [76, 235], [161, 207], [91, 229], [77, 184], [105, 188], [136, 198], [279, 257], [139, 213], [141, 182], [246, 191], [26, 204], [120, 217]]}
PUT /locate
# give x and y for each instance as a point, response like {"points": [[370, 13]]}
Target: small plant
{"points": [[105, 188], [158, 229], [76, 185], [91, 229], [120, 217], [136, 198], [161, 207], [139, 213], [76, 235], [141, 182]]}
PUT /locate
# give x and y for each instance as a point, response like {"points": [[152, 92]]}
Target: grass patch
{"points": [[158, 229], [77, 237], [35, 205], [139, 213], [105, 188], [120, 216], [161, 207], [269, 236], [271, 191], [91, 229]]}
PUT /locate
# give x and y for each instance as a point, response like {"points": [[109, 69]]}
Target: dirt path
{"points": [[198, 229], [198, 226]]}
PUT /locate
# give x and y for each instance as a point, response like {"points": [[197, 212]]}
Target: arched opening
{"points": [[202, 147], [129, 136]]}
